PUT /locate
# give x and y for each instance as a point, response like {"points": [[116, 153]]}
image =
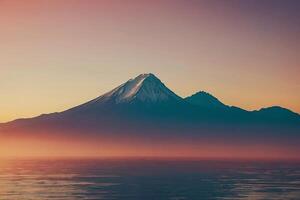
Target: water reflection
{"points": [[147, 179]]}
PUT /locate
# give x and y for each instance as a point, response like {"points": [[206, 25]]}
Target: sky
{"points": [[56, 54]]}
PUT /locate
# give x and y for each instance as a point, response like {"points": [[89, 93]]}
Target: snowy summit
{"points": [[144, 88]]}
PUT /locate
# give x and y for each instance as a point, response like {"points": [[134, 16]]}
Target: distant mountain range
{"points": [[145, 106]]}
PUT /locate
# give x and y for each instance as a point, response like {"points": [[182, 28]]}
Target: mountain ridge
{"points": [[146, 90]]}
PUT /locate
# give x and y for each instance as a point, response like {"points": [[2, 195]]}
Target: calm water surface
{"points": [[148, 180]]}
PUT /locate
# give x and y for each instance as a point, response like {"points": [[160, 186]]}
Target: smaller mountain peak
{"points": [[203, 93], [204, 99], [276, 109], [277, 112], [273, 108]]}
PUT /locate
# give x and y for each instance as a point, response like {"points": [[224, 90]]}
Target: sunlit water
{"points": [[148, 179]]}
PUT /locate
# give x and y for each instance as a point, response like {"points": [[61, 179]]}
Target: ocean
{"points": [[148, 179]]}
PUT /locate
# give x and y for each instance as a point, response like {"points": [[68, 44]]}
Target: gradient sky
{"points": [[56, 54]]}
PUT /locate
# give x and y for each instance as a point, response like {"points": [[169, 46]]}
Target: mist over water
{"points": [[147, 179]]}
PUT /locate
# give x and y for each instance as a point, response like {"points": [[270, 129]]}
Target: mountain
{"points": [[147, 98], [139, 102], [144, 107], [277, 112], [205, 100], [144, 88]]}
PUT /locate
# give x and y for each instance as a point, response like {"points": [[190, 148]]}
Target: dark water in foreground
{"points": [[148, 179]]}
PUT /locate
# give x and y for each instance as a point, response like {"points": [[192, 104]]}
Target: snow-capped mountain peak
{"points": [[145, 88]]}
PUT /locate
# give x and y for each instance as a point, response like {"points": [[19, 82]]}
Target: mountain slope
{"points": [[144, 88], [137, 103]]}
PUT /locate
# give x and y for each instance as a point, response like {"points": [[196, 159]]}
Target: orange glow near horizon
{"points": [[97, 147]]}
